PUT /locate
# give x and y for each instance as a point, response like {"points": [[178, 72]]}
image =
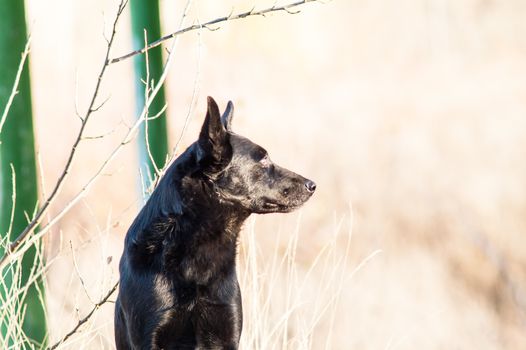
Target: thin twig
{"points": [[40, 214], [14, 90], [86, 318], [77, 113], [193, 101], [58, 186], [169, 159], [13, 201], [27, 240], [146, 118], [77, 270], [287, 8], [191, 108]]}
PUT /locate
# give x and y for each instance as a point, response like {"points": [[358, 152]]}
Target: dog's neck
{"points": [[205, 208], [186, 206], [204, 249]]}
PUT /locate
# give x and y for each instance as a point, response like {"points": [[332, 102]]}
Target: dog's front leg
{"points": [[219, 326]]}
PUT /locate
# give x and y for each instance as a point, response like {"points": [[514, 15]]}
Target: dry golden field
{"points": [[410, 116]]}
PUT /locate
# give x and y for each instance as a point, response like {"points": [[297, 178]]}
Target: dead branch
{"points": [[147, 89], [85, 319], [36, 221], [58, 186], [24, 241], [14, 90], [208, 25]]}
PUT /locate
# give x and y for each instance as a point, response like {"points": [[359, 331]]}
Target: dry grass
{"points": [[412, 110]]}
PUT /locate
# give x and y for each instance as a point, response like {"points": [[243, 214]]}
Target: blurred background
{"points": [[409, 115]]}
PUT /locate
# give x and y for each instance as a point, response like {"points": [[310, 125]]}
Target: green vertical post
{"points": [[145, 16], [17, 148]]}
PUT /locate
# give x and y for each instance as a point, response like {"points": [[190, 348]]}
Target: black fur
{"points": [[178, 283]]}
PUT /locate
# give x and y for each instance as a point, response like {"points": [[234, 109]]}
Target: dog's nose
{"points": [[310, 185]]}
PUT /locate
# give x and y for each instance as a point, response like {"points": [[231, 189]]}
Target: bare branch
{"points": [[77, 113], [103, 301], [24, 241], [147, 90], [191, 107], [290, 12], [101, 136], [58, 186], [77, 270], [96, 109], [14, 90], [13, 201], [208, 25], [158, 115]]}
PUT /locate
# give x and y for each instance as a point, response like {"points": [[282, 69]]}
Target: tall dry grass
{"points": [[412, 110], [284, 302], [13, 310]]}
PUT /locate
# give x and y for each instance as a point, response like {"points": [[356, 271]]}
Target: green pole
{"points": [[145, 16], [17, 149]]}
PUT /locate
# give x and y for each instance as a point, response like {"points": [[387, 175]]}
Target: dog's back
{"points": [[178, 286]]}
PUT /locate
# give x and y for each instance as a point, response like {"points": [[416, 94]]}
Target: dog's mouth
{"points": [[271, 206]]}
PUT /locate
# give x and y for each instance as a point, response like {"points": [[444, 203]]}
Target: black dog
{"points": [[178, 283]]}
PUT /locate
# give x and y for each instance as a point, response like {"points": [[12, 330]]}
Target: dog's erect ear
{"points": [[215, 150], [228, 115]]}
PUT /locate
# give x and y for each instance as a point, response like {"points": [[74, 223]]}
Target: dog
{"points": [[178, 283]]}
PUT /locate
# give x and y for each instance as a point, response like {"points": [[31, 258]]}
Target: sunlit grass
{"points": [[284, 302]]}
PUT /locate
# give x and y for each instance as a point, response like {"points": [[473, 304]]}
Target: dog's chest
{"points": [[204, 257], [199, 323]]}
